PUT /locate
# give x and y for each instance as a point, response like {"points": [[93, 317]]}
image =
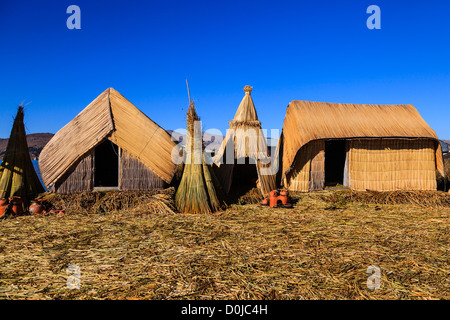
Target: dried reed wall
{"points": [[308, 172], [373, 164], [392, 164], [135, 176], [79, 178]]}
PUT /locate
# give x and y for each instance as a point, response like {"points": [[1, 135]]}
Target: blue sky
{"points": [[286, 50]]}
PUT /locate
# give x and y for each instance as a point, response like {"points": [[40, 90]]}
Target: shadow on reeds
{"points": [[156, 201]]}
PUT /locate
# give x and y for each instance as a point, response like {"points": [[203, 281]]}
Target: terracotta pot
{"points": [[16, 205], [276, 197], [273, 198], [36, 207], [265, 202], [4, 201], [3, 210]]}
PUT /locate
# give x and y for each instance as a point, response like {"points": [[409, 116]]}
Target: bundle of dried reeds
{"points": [[197, 191], [155, 201], [426, 199], [17, 175]]}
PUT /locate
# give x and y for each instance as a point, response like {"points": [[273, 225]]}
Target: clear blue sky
{"points": [[287, 50]]}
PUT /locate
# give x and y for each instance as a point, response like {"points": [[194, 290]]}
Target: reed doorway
{"points": [[106, 162], [335, 153]]}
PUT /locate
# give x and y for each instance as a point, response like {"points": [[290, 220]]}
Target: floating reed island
{"points": [[320, 249]]}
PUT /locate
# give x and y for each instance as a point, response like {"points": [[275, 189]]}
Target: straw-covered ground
{"points": [[133, 246]]}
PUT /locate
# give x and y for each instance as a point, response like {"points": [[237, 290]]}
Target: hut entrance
{"points": [[106, 162], [244, 178], [335, 153]]}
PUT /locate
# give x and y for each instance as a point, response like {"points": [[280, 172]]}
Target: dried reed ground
{"points": [[321, 249]]}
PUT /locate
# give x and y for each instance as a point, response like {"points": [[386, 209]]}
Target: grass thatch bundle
{"points": [[155, 201], [17, 175], [426, 199], [197, 189]]}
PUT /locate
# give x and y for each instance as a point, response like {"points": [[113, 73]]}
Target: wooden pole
{"points": [[189, 93]]}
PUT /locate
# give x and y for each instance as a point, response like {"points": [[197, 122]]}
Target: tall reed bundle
{"points": [[197, 190], [17, 175]]}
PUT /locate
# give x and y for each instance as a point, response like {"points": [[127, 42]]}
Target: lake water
{"points": [[36, 168]]}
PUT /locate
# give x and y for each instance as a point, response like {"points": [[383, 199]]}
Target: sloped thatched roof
{"points": [[110, 116], [17, 175], [246, 136], [306, 121]]}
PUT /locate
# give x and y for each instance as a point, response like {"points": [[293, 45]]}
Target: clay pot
{"points": [[3, 210], [283, 197], [265, 202], [279, 199], [4, 201], [273, 198], [16, 205], [36, 207]]}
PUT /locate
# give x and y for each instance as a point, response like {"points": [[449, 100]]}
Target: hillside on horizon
{"points": [[36, 142]]}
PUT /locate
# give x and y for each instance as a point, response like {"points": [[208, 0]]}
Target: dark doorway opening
{"points": [[335, 153], [106, 165], [244, 178]]}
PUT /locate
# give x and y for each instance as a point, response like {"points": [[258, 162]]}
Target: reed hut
{"points": [[110, 145], [17, 175], [242, 161], [363, 147]]}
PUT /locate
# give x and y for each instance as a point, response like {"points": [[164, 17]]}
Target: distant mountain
{"points": [[36, 142]]}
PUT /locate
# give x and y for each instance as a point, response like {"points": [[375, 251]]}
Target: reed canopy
{"points": [[364, 147], [242, 161], [110, 144], [17, 174]]}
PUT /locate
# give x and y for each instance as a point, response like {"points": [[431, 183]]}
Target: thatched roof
{"points": [[110, 116], [246, 137], [245, 124], [306, 121], [17, 175]]}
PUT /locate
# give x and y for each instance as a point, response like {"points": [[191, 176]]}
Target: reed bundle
{"points": [[17, 174], [426, 199], [155, 201], [196, 192]]}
